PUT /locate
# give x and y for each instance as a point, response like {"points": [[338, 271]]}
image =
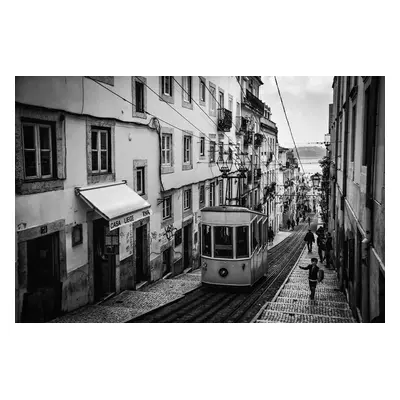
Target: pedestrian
{"points": [[321, 247], [293, 224], [329, 248], [312, 275], [320, 230], [288, 224], [270, 235], [309, 221], [297, 220], [309, 238]]}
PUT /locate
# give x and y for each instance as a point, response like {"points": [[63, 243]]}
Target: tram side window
{"points": [[242, 241], [206, 240], [223, 242], [254, 232], [260, 234]]}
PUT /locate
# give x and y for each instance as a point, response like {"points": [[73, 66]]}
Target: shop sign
{"points": [[129, 218]]}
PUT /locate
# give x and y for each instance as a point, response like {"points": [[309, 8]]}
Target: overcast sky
{"points": [[306, 100]]}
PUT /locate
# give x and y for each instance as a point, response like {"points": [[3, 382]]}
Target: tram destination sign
{"points": [[129, 218]]}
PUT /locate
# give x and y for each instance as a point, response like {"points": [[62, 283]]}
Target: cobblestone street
{"points": [[293, 304]]}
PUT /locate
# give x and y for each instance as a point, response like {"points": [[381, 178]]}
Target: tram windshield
{"points": [[206, 241], [223, 242], [242, 241]]}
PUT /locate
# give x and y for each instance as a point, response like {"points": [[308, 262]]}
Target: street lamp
{"points": [[225, 165], [316, 179]]}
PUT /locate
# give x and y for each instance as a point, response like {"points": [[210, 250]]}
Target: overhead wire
{"points": [[287, 120]]}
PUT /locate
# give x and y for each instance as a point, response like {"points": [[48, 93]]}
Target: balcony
{"points": [[254, 102], [258, 139], [224, 120], [248, 138]]}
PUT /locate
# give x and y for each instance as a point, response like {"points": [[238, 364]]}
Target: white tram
{"points": [[234, 245]]}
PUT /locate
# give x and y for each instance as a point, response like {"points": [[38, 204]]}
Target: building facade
{"points": [[357, 192], [111, 175]]}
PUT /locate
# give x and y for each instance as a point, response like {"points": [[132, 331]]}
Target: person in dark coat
{"points": [[309, 221], [293, 224], [288, 224], [309, 238], [270, 235], [297, 220], [321, 247], [312, 276]]}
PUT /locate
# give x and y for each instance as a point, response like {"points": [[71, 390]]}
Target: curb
{"points": [[279, 290]]}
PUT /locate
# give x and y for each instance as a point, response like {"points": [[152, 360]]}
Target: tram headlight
{"points": [[223, 272]]}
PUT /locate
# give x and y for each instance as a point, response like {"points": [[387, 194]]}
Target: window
{"points": [[206, 240], [229, 194], [178, 237], [202, 91], [77, 237], [355, 79], [187, 88], [101, 150], [221, 99], [166, 84], [139, 96], [254, 232], [39, 153], [187, 199], [230, 103], [187, 146], [221, 192], [167, 202], [213, 100], [223, 241], [366, 126], [353, 132], [221, 151], [166, 146], [256, 197], [242, 241], [212, 194], [201, 195], [140, 187], [202, 147], [212, 152]]}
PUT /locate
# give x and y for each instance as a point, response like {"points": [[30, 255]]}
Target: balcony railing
{"points": [[224, 120], [254, 102]]}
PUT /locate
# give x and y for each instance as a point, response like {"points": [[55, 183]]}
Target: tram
{"points": [[234, 246]]}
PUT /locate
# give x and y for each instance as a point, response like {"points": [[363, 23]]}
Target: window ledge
{"points": [[168, 99], [187, 105], [100, 178], [39, 186], [186, 167], [167, 221], [137, 114], [167, 170]]}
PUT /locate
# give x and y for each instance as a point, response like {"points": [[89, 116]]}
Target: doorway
{"points": [[43, 300], [187, 246], [140, 272], [104, 263], [166, 259]]}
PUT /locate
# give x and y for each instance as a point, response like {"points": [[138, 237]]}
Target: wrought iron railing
{"points": [[255, 102], [224, 120]]}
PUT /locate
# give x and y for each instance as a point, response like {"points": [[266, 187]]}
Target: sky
{"points": [[306, 100]]}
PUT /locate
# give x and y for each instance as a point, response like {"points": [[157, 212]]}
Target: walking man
{"points": [[297, 220], [309, 221], [309, 238], [270, 235], [288, 224], [293, 224], [321, 247], [312, 275]]}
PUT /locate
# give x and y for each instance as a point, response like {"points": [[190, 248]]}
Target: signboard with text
{"points": [[129, 218]]}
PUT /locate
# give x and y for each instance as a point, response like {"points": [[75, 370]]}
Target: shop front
{"points": [[117, 243]]}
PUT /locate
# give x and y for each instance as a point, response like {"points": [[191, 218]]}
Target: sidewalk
{"points": [[292, 302], [132, 303], [281, 235]]}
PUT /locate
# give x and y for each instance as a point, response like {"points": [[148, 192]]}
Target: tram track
{"points": [[209, 305]]}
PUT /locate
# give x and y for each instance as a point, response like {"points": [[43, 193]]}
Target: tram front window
{"points": [[242, 241], [206, 240], [223, 242]]}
